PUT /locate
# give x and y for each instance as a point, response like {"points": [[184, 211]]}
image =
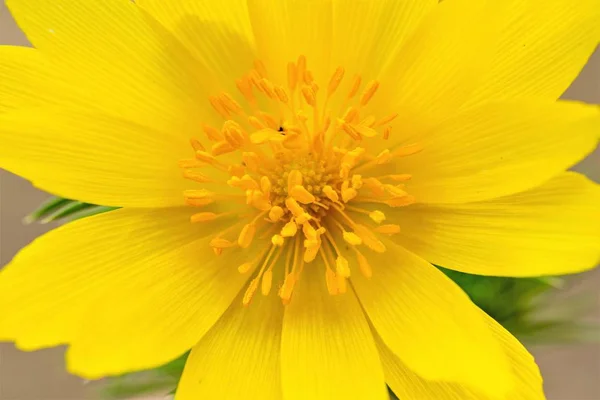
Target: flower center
{"points": [[301, 171]]}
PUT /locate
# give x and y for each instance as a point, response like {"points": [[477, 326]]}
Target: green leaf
{"points": [[59, 208]]}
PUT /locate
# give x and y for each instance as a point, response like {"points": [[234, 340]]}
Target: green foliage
{"points": [[519, 304], [59, 208]]}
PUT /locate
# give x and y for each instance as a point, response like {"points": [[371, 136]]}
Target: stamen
{"points": [[386, 120], [369, 93], [389, 229], [363, 264], [377, 216], [386, 132], [304, 168], [246, 235], [355, 86], [250, 291], [351, 238], [335, 81], [267, 280], [276, 213], [302, 195], [289, 230]]}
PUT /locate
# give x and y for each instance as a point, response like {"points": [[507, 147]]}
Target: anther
{"points": [[302, 195], [355, 86], [219, 107], [230, 104], [386, 120], [245, 267], [277, 240], [408, 150], [377, 216], [386, 132], [222, 147], [255, 122], [196, 145], [281, 94], [294, 179], [330, 193], [400, 177], [250, 291], [351, 238], [388, 229], [196, 176], [369, 238], [383, 157], [204, 217], [341, 267], [221, 243], [246, 235], [265, 135], [267, 280], [309, 96], [357, 182], [276, 213], [289, 229], [334, 83], [363, 265], [369, 92], [330, 281]]}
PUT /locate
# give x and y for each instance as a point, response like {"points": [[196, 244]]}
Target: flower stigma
{"points": [[303, 173]]}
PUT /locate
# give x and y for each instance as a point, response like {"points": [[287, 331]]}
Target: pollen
{"points": [[300, 172]]}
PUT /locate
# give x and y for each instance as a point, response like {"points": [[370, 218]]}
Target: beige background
{"points": [[571, 372]]}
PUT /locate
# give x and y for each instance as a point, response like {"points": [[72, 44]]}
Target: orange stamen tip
{"points": [[341, 267], [352, 238], [389, 229], [204, 217], [277, 240], [267, 280], [246, 235], [245, 267], [302, 195], [250, 291], [276, 213], [377, 216], [363, 265], [289, 229], [300, 170]]}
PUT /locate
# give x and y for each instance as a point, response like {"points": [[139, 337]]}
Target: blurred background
{"points": [[571, 371]]}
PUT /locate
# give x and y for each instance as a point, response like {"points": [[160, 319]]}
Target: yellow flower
{"points": [[308, 159]]}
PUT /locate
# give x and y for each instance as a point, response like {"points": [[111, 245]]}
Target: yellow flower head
{"points": [[288, 172]]}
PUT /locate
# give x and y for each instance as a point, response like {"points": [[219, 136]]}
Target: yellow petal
{"points": [[435, 71], [543, 45], [129, 289], [112, 52], [499, 149], [327, 350], [210, 30], [367, 34], [408, 385], [94, 158], [239, 357], [286, 29], [550, 230], [24, 75], [429, 322]]}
